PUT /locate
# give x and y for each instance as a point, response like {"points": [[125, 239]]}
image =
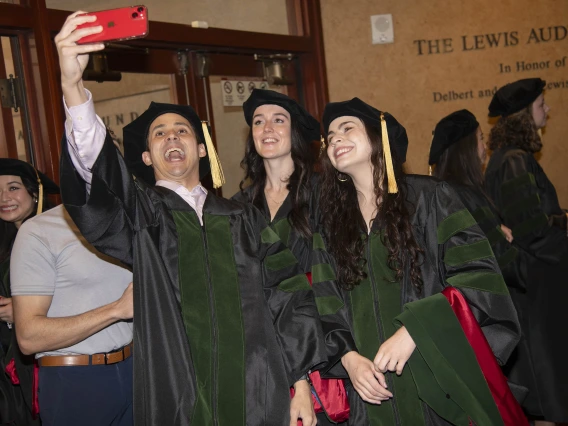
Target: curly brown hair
{"points": [[343, 222], [518, 129]]}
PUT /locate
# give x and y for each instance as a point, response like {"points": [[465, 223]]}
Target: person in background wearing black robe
{"points": [[279, 163], [457, 155], [20, 199], [405, 250], [224, 321], [528, 202]]}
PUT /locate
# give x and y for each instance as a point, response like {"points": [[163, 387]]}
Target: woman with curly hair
{"points": [[402, 246], [529, 204], [23, 194], [279, 169]]}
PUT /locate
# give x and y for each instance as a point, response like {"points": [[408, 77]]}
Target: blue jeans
{"points": [[93, 395]]}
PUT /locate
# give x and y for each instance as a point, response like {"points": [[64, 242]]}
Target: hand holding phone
{"points": [[125, 23]]}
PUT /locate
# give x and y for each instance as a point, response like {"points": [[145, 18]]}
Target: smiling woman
{"points": [[397, 241], [16, 203], [22, 195]]}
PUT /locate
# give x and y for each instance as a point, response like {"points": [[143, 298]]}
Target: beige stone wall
{"points": [[265, 16], [397, 78]]}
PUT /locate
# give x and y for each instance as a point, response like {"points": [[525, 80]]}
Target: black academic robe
{"points": [[223, 322], [489, 220], [442, 383], [513, 261], [328, 296], [15, 400], [529, 205]]}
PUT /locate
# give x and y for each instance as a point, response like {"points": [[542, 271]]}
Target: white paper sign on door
{"points": [[236, 91]]}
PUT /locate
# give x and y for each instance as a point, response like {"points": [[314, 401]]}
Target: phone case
{"points": [[125, 23]]}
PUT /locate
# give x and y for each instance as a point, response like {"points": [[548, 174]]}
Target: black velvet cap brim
{"points": [[513, 97], [13, 167], [449, 130], [357, 108], [297, 112]]}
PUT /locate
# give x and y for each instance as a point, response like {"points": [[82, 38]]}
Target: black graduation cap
{"points": [[450, 130], [513, 97], [393, 133], [135, 139], [357, 108], [13, 167], [260, 97]]}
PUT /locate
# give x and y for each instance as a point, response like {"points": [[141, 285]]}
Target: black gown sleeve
{"points": [[109, 214], [291, 302], [333, 311], [465, 260], [526, 199]]}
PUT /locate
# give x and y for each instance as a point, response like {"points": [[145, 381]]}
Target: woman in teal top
{"points": [[396, 242]]}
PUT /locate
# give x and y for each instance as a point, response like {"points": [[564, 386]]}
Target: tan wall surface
{"points": [[265, 16], [396, 78]]}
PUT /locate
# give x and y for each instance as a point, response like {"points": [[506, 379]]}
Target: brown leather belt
{"points": [[95, 359]]}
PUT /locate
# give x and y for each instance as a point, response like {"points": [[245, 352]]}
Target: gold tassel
{"points": [[40, 194], [391, 181], [430, 169], [322, 146], [216, 169]]}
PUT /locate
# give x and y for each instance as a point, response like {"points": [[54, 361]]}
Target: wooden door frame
{"points": [[33, 18]]}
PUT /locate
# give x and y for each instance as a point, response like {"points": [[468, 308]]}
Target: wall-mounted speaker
{"points": [[382, 29]]}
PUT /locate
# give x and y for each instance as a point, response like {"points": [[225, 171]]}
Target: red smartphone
{"points": [[125, 23]]}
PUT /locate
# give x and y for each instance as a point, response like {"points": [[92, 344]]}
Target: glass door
{"points": [[15, 134]]}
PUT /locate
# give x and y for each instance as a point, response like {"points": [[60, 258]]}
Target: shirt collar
{"points": [[177, 188]]}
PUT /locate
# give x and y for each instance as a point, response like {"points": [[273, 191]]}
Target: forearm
{"points": [[41, 333], [74, 93]]}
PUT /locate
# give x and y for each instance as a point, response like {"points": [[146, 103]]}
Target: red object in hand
{"points": [[125, 23], [328, 395]]}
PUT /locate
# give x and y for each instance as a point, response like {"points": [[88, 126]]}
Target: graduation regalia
{"points": [[456, 254], [529, 205], [528, 201], [222, 319], [328, 297], [452, 130], [18, 397], [443, 382]]}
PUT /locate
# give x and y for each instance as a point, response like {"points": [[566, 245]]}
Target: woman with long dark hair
{"points": [[458, 154], [23, 194], [279, 162], [529, 204], [402, 246], [279, 168]]}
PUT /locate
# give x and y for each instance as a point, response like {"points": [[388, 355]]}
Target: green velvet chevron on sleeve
{"points": [[454, 223]]}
